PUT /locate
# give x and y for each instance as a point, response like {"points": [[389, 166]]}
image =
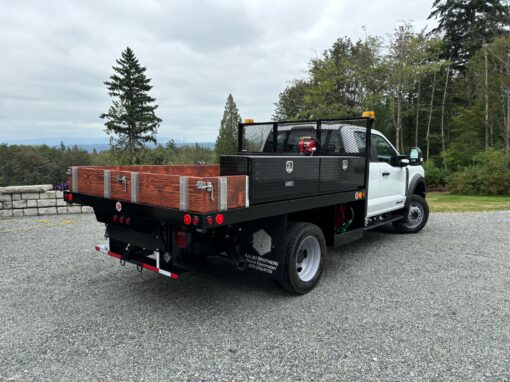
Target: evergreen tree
{"points": [[226, 143], [468, 24], [131, 120]]}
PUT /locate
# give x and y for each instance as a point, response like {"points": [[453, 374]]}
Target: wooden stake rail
{"points": [[194, 188]]}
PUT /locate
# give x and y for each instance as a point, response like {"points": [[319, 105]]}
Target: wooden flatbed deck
{"points": [[195, 188]]}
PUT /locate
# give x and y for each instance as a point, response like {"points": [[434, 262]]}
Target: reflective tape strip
{"points": [[247, 192], [74, 176], [222, 191], [105, 249], [107, 180], [134, 187], [183, 192]]}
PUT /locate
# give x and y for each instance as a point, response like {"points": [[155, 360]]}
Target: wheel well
{"points": [[420, 189], [322, 217]]}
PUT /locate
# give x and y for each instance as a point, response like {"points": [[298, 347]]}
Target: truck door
{"points": [[389, 193]]}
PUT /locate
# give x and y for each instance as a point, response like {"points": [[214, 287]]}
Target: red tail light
{"points": [[209, 220], [128, 221], [181, 239], [187, 219], [196, 220], [121, 220], [115, 218], [220, 219], [69, 197]]}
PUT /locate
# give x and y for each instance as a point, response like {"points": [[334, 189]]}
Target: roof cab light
{"points": [[187, 219], [219, 219]]}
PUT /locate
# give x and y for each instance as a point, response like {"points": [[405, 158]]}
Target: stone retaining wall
{"points": [[35, 200]]}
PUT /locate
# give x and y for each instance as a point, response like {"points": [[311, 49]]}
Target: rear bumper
{"points": [[103, 248]]}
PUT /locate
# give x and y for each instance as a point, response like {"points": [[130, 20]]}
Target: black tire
{"points": [[416, 216], [302, 241]]}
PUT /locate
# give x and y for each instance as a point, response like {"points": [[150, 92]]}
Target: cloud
{"points": [[57, 54]]}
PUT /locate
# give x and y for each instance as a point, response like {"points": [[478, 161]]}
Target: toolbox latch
{"points": [[207, 186]]}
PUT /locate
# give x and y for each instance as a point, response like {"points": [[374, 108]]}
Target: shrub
{"points": [[489, 175], [436, 177]]}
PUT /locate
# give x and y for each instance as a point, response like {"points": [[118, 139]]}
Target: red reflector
{"points": [[181, 239], [121, 220], [128, 221], [220, 219], [196, 220], [115, 218], [187, 219], [209, 220], [70, 197]]}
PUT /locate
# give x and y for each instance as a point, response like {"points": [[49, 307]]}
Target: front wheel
{"points": [[305, 248], [416, 216]]}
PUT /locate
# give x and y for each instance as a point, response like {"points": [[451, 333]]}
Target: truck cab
{"points": [[392, 176]]}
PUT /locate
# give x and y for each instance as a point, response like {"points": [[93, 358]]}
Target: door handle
{"points": [[385, 174]]}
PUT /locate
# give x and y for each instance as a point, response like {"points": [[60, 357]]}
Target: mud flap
{"points": [[263, 244]]}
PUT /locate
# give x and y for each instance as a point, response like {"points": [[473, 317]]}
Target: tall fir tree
{"points": [[466, 25], [226, 142], [131, 120]]}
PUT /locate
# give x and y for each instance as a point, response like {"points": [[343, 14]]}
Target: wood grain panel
{"points": [[196, 170], [90, 181], [236, 191], [158, 190]]}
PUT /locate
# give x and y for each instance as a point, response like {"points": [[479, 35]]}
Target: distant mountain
{"points": [[89, 144]]}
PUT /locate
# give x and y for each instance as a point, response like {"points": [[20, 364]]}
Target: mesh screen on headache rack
{"points": [[324, 137]]}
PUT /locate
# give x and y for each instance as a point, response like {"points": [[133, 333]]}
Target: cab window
{"points": [[383, 150]]}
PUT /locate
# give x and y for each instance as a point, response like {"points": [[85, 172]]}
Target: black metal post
{"points": [[368, 143], [318, 137], [240, 132], [275, 137]]}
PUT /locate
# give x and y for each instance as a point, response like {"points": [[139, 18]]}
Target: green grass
{"points": [[443, 202]]}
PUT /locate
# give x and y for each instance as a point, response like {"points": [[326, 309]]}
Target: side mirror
{"points": [[403, 160], [415, 156]]}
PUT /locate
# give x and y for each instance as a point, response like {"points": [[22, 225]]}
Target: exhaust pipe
{"points": [[238, 259]]}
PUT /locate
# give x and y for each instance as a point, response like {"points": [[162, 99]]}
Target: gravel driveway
{"points": [[430, 306]]}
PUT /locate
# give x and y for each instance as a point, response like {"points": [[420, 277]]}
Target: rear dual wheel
{"points": [[305, 248]]}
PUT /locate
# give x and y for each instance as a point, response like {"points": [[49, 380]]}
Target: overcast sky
{"points": [[55, 55]]}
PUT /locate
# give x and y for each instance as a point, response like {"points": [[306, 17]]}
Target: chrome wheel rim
{"points": [[308, 258], [415, 215]]}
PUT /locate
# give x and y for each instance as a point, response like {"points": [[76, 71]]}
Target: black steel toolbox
{"points": [[280, 177]]}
